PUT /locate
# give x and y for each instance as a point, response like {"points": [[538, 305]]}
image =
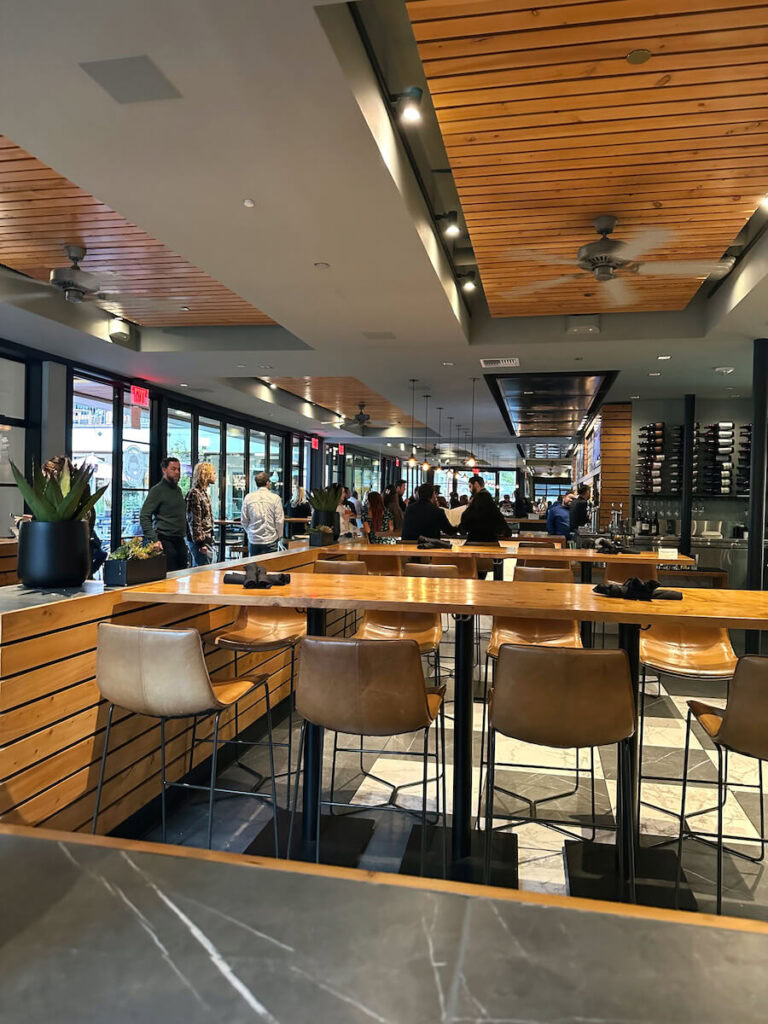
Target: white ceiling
{"points": [[272, 109]]}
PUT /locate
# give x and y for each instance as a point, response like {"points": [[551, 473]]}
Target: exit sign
{"points": [[139, 396], [397, 463], [341, 449], [315, 444], [476, 470]]}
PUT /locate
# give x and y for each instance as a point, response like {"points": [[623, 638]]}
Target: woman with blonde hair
{"points": [[200, 514]]}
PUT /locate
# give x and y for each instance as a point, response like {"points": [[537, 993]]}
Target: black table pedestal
{"points": [[586, 627]]}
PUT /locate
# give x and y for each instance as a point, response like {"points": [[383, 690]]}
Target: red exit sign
{"points": [[476, 470], [397, 463], [140, 396], [315, 444], [341, 449]]}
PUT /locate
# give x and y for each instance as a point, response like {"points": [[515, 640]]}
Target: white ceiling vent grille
{"points": [[498, 364]]}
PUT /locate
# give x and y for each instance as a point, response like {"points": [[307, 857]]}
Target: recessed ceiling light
{"points": [[183, 385], [321, 265], [634, 396], [249, 203], [724, 370], [527, 392], [184, 309], [241, 366], [449, 364], [663, 357], [273, 387], [389, 444], [409, 104], [639, 56], [655, 373], [265, 366]]}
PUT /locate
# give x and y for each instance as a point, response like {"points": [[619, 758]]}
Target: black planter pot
{"points": [[317, 540], [126, 572], [54, 555], [327, 519]]}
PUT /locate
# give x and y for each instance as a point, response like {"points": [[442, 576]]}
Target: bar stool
{"points": [[433, 570], [261, 631], [162, 673], [565, 698], [342, 567], [619, 573], [382, 565], [741, 727], [531, 632], [369, 688]]}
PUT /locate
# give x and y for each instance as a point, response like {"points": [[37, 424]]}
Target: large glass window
{"points": [[179, 444], [276, 463], [93, 406], [307, 465], [12, 437], [257, 448], [296, 480], [234, 480], [209, 450], [135, 481]]}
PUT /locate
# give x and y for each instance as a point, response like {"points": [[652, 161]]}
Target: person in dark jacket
{"points": [[163, 515], [559, 517], [522, 505], [482, 521], [579, 508], [424, 518]]}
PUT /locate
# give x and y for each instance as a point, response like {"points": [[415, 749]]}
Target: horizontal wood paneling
{"points": [[615, 454], [344, 394], [40, 212], [546, 125], [52, 719]]}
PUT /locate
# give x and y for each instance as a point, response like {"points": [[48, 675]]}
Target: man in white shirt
{"points": [[262, 517]]}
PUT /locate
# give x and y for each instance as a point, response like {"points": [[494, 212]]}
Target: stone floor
{"points": [[541, 862]]}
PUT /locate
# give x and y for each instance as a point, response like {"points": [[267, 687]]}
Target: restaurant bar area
{"points": [[383, 526]]}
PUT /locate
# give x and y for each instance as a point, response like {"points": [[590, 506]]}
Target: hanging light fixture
{"points": [[425, 466], [412, 460], [472, 461], [439, 431], [450, 435]]}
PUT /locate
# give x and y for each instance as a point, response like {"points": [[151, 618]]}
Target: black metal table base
{"points": [[343, 839], [592, 873], [468, 869]]}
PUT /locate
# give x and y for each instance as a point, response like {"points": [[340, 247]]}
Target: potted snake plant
{"points": [[324, 502], [54, 546]]}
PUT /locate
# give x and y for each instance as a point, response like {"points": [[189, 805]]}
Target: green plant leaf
{"points": [[70, 506], [86, 508], [64, 479], [41, 508], [53, 493]]}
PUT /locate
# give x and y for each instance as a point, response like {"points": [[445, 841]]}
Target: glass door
{"points": [[135, 463], [93, 441], [178, 444], [234, 477], [209, 450]]}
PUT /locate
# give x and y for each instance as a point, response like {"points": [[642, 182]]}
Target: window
{"points": [[209, 450], [93, 440], [12, 438], [296, 479], [276, 463], [234, 480], [306, 482], [179, 444], [257, 455], [135, 450]]}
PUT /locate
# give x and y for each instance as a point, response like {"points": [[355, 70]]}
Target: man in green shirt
{"points": [[163, 515]]}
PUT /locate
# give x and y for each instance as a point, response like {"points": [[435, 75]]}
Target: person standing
{"points": [[579, 508], [522, 505], [262, 517], [482, 521], [559, 517], [377, 518], [424, 517], [393, 503], [163, 515], [200, 514]]}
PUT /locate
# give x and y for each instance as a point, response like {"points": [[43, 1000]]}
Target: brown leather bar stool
{"points": [[368, 688], [261, 631], [343, 567], [531, 632], [433, 570], [567, 698], [162, 673], [382, 565], [620, 572], [741, 727]]}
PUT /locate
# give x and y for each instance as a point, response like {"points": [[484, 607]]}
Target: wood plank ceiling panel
{"points": [[344, 394], [547, 125], [41, 212]]}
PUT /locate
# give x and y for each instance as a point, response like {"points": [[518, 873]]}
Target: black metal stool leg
{"points": [[295, 791], [682, 810], [319, 799], [720, 803], [489, 791], [162, 777], [272, 768], [445, 801], [628, 823], [101, 769], [425, 772], [192, 744], [214, 758], [482, 740]]}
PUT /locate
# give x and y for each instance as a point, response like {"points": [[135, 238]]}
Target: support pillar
{"points": [[686, 494], [757, 479]]}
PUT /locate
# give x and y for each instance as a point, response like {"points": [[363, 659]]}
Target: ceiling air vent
{"points": [[498, 364]]}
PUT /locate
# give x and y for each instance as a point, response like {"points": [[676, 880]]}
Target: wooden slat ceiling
{"points": [[546, 125], [343, 395], [40, 212]]}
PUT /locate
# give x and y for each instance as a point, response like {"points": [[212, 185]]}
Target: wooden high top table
{"points": [[735, 609]]}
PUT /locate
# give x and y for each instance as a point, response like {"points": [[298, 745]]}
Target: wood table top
{"points": [[506, 549], [735, 609]]}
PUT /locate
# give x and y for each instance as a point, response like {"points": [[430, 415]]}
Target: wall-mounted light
{"points": [[467, 281], [408, 104], [119, 330], [449, 223]]}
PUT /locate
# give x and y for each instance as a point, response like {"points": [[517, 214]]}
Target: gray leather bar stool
{"points": [[161, 673], [569, 698]]}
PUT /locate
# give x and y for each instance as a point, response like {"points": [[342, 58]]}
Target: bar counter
{"points": [[98, 929]]}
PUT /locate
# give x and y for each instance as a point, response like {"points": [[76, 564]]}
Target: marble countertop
{"points": [[114, 932]]}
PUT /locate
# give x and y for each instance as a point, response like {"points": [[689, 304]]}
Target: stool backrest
{"points": [[548, 574], [157, 672], [362, 687], [537, 540], [435, 569], [745, 721], [562, 696], [341, 567], [620, 572]]}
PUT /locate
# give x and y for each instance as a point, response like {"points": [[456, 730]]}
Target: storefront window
{"points": [[276, 464], [507, 482], [234, 480], [307, 465], [296, 480], [209, 450], [135, 450], [257, 441], [179, 444], [93, 442]]}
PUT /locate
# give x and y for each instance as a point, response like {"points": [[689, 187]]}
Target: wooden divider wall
{"points": [[52, 718], [8, 554], [615, 455]]}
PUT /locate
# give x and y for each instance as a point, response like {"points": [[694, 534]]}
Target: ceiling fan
{"points": [[610, 261], [74, 284]]}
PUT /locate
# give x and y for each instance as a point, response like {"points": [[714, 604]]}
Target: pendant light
{"points": [[450, 435], [425, 466], [439, 431], [412, 460], [472, 461]]}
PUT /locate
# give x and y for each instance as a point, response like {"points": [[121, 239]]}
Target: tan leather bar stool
{"points": [[531, 632], [342, 567], [741, 727], [261, 631], [620, 572], [162, 673], [369, 688], [433, 570], [568, 698], [382, 565]]}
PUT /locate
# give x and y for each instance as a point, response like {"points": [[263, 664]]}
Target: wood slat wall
{"points": [[546, 125], [8, 555], [615, 454], [343, 394], [41, 211], [52, 719]]}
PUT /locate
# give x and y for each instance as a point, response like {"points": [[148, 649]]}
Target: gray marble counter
{"points": [[92, 934]]}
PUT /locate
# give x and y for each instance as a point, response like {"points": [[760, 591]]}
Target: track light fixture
{"points": [[408, 104], [449, 223], [472, 461], [468, 281]]}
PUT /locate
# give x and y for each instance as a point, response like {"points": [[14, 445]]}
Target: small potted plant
{"points": [[324, 502], [54, 546], [136, 561], [320, 535]]}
